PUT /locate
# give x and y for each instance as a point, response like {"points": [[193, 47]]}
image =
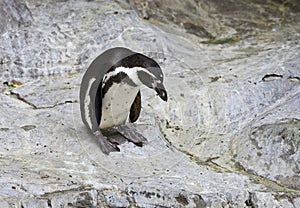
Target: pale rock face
{"points": [[227, 137]]}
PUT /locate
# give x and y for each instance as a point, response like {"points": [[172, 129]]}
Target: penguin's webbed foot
{"points": [[105, 144], [131, 135]]}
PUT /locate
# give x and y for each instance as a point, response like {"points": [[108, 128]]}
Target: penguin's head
{"points": [[148, 72], [153, 82], [152, 76]]}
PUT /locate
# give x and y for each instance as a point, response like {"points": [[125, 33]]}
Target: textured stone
{"points": [[219, 21], [115, 199], [227, 137], [14, 14]]}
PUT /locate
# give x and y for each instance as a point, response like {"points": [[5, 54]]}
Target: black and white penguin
{"points": [[110, 93]]}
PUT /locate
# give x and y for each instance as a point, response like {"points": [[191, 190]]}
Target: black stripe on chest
{"points": [[121, 77]]}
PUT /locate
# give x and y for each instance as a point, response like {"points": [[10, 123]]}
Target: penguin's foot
{"points": [[106, 145], [131, 135]]}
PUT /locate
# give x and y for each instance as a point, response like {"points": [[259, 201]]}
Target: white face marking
{"points": [[131, 72], [87, 101]]}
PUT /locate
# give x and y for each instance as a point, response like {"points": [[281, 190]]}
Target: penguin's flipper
{"points": [[135, 109], [98, 104], [131, 135]]}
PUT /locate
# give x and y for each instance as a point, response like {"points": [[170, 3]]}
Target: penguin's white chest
{"points": [[116, 104]]}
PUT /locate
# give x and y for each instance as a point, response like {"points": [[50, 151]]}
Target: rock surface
{"points": [[14, 14], [229, 135]]}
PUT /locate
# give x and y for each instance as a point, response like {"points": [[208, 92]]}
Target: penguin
{"points": [[110, 94]]}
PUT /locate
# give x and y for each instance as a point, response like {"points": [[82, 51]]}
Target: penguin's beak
{"points": [[160, 89]]}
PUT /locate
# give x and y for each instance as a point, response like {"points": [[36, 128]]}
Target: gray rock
{"points": [[227, 137], [115, 199], [218, 21], [14, 14]]}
